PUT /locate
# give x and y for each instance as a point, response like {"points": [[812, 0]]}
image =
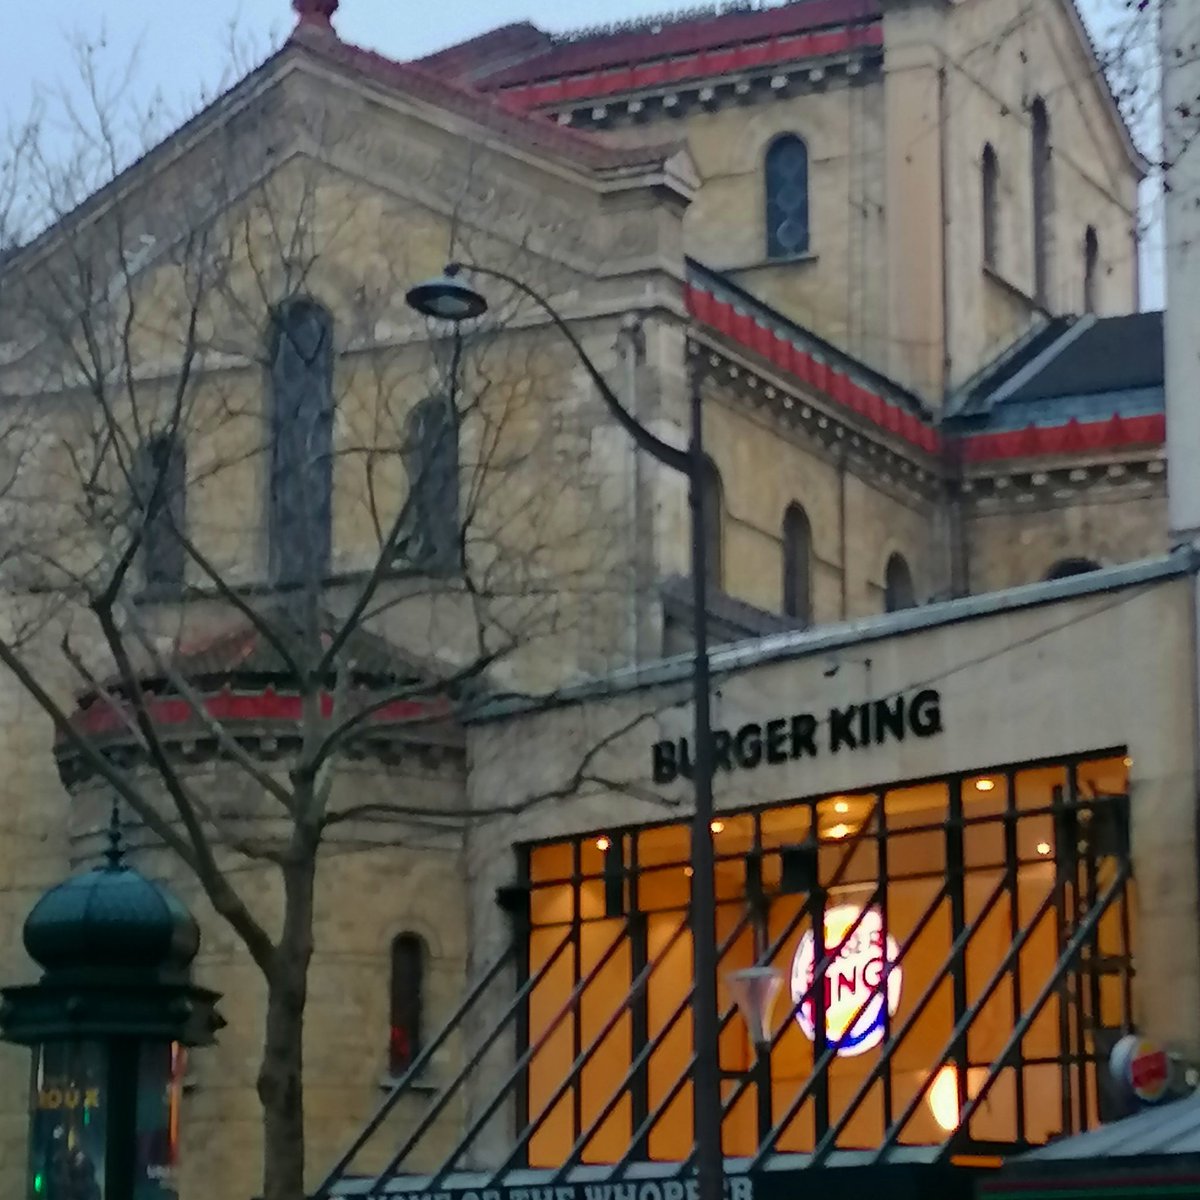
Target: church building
{"points": [[892, 247]]}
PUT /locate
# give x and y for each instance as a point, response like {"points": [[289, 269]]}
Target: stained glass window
{"points": [[787, 197]]}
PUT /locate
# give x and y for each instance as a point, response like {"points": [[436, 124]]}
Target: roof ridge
{"points": [[439, 89], [655, 22]]}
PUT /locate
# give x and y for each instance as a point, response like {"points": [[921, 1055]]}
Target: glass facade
{"points": [[956, 957]]}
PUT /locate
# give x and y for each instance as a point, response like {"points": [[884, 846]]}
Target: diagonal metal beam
{"points": [[830, 1052], [1087, 927], [446, 1094], [526, 1057], [964, 1022], [827, 1143], [530, 1128]]}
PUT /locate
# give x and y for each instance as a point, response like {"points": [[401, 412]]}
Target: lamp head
{"points": [[448, 297]]}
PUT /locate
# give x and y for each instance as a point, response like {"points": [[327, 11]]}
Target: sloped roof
{"points": [[1082, 368], [663, 37]]}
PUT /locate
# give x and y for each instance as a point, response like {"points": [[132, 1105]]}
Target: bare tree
{"points": [[229, 448]]}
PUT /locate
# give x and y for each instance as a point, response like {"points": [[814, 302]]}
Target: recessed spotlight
{"points": [[841, 807], [985, 785], [688, 872], [603, 843], [1128, 761], [1043, 848], [717, 827]]}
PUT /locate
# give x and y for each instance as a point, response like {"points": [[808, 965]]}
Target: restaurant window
{"points": [[797, 564], [407, 989], [1025, 869], [786, 171]]}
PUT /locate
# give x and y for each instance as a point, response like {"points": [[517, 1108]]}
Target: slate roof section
{"points": [[1113, 354], [1072, 385]]}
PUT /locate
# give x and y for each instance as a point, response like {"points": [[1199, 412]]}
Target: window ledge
{"points": [[790, 260], [425, 1086]]}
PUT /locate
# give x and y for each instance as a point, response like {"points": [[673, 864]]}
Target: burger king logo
{"points": [[854, 980]]}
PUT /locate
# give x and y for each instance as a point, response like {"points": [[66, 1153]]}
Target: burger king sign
{"points": [[853, 983]]}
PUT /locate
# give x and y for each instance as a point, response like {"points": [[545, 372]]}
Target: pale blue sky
{"points": [[183, 45]]}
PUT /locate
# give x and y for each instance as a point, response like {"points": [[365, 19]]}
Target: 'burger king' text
{"points": [[804, 735]]}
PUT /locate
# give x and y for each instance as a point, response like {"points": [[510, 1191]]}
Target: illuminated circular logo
{"points": [[853, 981], [1143, 1066]]}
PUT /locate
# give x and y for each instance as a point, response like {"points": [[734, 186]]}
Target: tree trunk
{"points": [[281, 1075]]}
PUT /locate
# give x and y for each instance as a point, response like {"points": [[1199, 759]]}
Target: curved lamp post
{"points": [[106, 1024], [451, 298]]}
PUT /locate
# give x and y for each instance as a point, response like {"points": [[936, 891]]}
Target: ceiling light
{"points": [[985, 785], [841, 807], [603, 843], [717, 827], [688, 872], [1043, 848], [1128, 761], [839, 831]]}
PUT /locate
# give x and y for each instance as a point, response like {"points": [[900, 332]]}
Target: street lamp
{"points": [[451, 298], [107, 1023], [755, 990]]}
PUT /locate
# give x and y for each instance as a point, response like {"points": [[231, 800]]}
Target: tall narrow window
{"points": [[797, 564], [712, 507], [161, 481], [898, 585], [301, 482], [1043, 199], [407, 1002], [1091, 264], [990, 178], [787, 197], [431, 456]]}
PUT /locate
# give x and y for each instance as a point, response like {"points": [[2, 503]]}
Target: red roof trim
{"points": [[705, 65], [1036, 441], [102, 717], [686, 37], [792, 359]]}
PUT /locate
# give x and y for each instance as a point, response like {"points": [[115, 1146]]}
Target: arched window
{"points": [[1043, 198], [1066, 567], [1091, 264], [797, 564], [407, 995], [431, 456], [786, 172], [301, 483], [712, 509], [990, 181], [161, 482], [898, 585]]}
